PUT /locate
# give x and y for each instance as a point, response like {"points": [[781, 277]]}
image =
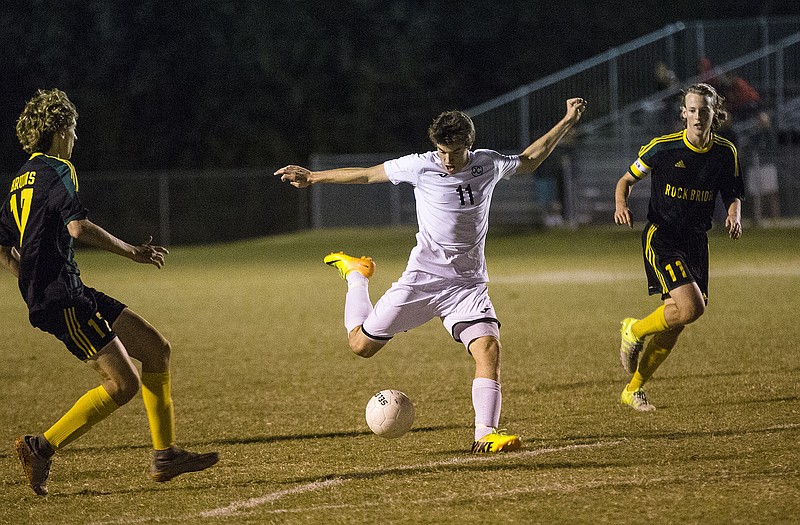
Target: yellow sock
{"points": [[636, 382], [93, 407], [652, 357], [158, 404], [652, 324]]}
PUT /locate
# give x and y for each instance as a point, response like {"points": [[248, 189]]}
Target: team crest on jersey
{"points": [[477, 171]]}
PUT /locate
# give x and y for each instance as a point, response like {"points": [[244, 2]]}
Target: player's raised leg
{"points": [[356, 271]]}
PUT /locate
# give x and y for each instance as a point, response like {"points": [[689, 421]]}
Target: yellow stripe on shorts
{"points": [[651, 257], [77, 335]]}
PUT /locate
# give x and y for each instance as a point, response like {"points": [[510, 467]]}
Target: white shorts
{"points": [[418, 297]]}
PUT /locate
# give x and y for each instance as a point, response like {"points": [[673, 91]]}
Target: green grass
{"points": [[262, 374]]}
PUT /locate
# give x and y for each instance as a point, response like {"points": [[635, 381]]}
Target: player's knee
{"points": [[363, 348], [127, 392], [164, 350], [361, 345], [123, 388], [485, 349], [154, 354], [692, 312], [486, 343], [361, 351]]}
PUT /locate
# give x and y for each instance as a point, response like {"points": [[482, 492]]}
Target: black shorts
{"points": [[85, 325], [672, 260]]}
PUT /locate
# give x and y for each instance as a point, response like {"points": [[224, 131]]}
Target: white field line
{"points": [[238, 506], [557, 488], [245, 506], [538, 488], [593, 276]]}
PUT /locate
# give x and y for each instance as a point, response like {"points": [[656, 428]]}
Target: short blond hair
{"points": [[47, 113]]}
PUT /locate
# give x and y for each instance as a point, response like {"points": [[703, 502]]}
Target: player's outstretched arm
{"points": [[536, 153], [87, 232], [301, 177], [9, 257], [622, 214]]}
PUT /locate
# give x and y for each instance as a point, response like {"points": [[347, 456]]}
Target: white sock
{"points": [[357, 305], [486, 399]]}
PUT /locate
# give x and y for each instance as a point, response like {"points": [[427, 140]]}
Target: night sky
{"points": [[206, 84]]}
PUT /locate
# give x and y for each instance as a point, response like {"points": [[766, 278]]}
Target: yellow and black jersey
{"points": [[42, 200], [685, 180]]}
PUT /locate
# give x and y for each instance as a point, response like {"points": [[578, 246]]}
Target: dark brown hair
{"points": [[452, 127]]}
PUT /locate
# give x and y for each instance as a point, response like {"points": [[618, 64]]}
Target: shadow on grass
{"points": [[240, 440], [539, 455], [609, 382], [326, 435], [671, 436]]}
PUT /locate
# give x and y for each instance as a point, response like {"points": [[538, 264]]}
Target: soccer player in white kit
{"points": [[446, 275]]}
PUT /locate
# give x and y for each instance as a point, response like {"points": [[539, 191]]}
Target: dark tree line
{"points": [[215, 83]]}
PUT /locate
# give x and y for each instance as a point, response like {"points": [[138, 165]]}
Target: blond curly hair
{"points": [[47, 113]]}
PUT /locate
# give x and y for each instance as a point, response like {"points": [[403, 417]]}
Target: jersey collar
{"points": [[696, 149]]}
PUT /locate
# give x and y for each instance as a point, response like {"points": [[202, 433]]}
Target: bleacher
{"points": [[629, 104]]}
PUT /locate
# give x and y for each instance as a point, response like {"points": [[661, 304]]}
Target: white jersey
{"points": [[452, 210]]}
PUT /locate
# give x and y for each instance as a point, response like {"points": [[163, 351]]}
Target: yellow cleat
{"points": [[346, 264], [630, 347], [497, 441], [636, 399]]}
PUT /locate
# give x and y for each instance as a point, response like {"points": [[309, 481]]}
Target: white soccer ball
{"points": [[390, 413]]}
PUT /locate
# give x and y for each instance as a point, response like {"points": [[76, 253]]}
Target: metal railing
{"points": [[622, 80]]}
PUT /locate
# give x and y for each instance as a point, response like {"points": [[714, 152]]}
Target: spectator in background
{"points": [[669, 113], [762, 182], [742, 100]]}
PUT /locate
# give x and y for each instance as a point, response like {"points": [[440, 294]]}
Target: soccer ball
{"points": [[390, 413]]}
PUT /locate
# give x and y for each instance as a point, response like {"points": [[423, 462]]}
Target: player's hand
{"points": [[623, 216], [734, 226], [297, 176], [147, 253], [575, 108]]}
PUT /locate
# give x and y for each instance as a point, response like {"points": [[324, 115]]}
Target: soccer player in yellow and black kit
{"points": [[687, 170], [39, 219]]}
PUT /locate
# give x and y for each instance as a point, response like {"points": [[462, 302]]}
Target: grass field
{"points": [[262, 374]]}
